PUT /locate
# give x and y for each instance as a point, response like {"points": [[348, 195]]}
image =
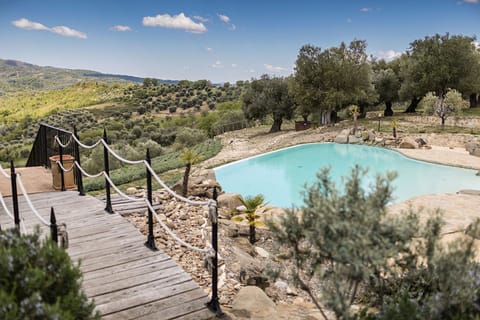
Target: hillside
{"points": [[18, 75]]}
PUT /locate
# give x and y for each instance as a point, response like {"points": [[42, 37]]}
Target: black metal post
{"points": [[13, 180], [53, 226], [106, 167], [78, 177], [60, 153], [151, 238], [45, 145], [214, 304]]}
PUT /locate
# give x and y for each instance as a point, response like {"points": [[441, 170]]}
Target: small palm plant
{"points": [[189, 157], [251, 204], [394, 128], [355, 112]]}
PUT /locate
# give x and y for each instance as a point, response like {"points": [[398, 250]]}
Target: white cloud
{"points": [[68, 32], [365, 9], [29, 25], [388, 55], [233, 27], [200, 18], [271, 68], [209, 49], [476, 44], [121, 28], [224, 18], [179, 21], [471, 1], [217, 64], [60, 30], [234, 65]]}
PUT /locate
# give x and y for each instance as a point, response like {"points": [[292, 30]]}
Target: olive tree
{"points": [[268, 96]]}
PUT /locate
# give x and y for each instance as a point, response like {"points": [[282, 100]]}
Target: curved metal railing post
{"points": [[13, 180], [214, 304], [106, 167], [78, 173], [151, 238]]}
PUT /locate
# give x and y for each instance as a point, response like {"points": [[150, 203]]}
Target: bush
{"points": [[188, 137], [39, 281]]}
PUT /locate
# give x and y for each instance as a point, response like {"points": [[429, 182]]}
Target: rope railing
{"points": [[210, 251], [149, 205], [11, 216], [4, 173], [29, 202]]}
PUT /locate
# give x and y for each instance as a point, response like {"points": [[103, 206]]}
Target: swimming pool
{"points": [[281, 175]]}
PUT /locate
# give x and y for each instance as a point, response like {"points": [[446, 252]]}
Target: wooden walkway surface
{"points": [[124, 278]]}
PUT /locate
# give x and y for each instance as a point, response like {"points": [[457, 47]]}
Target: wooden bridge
{"points": [[124, 278]]}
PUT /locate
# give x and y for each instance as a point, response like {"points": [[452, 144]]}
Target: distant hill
{"points": [[18, 75]]}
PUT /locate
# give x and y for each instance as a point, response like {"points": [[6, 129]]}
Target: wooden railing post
{"points": [[151, 238], [13, 180], [106, 167], [53, 226], [78, 173], [60, 153], [214, 304]]}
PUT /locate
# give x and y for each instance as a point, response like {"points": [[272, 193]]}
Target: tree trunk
{"points": [[388, 112], [443, 123], [185, 179], [413, 105], [277, 123], [474, 101], [305, 117], [251, 236]]}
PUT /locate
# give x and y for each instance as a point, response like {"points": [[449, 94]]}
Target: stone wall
{"points": [[465, 122]]}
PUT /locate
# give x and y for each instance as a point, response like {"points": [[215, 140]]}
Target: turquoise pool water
{"points": [[281, 175]]}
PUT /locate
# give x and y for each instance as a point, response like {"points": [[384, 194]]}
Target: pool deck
{"points": [[444, 155]]}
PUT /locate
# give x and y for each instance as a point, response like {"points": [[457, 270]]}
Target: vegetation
{"points": [[189, 157], [39, 281], [268, 96], [251, 205], [443, 107], [345, 248]]}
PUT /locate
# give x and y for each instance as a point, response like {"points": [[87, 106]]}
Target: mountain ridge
{"points": [[18, 75]]}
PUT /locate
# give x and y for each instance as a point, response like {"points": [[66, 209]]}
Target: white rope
{"points": [[22, 221], [173, 193], [63, 168], [85, 145], [149, 205], [57, 139], [86, 173], [4, 173], [4, 205], [29, 202], [118, 156]]}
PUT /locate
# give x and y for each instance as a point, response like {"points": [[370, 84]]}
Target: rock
{"points": [[371, 136], [262, 252], [420, 142], [342, 137], [229, 201], [473, 230], [241, 208], [252, 302], [202, 175], [471, 146], [281, 284], [230, 228], [131, 191], [476, 152], [354, 139], [408, 143]]}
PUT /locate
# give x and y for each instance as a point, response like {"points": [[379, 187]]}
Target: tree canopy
{"points": [[437, 63], [268, 96], [326, 81]]}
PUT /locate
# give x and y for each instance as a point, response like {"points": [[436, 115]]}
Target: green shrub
{"points": [[188, 137], [39, 281]]}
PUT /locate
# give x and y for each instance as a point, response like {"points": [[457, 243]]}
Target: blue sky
{"points": [[216, 40]]}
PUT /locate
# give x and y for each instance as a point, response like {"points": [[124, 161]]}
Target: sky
{"points": [[216, 40]]}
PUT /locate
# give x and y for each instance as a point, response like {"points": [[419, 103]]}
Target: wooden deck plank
{"points": [[125, 279]]}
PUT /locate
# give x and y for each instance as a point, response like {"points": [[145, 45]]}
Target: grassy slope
{"points": [[38, 104]]}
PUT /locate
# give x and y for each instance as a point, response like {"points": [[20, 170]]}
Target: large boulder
{"points": [[252, 303], [229, 201], [408, 143], [342, 137], [353, 139]]}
